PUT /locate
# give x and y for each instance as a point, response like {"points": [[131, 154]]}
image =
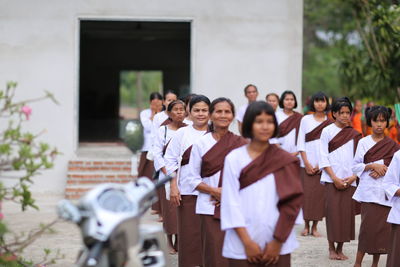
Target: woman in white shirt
{"points": [[177, 158], [289, 122], [308, 144], [373, 155], [261, 195], [206, 162], [338, 144], [145, 167], [176, 113], [391, 184], [162, 117]]}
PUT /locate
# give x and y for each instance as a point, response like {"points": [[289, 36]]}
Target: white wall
{"points": [[234, 43]]}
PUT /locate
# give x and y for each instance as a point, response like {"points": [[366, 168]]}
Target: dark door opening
{"points": [[108, 48]]}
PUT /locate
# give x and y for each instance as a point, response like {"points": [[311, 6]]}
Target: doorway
{"points": [[112, 49]]}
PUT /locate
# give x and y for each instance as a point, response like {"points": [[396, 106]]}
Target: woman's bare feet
{"points": [[315, 233], [341, 256], [172, 251], [305, 232], [333, 255], [154, 212]]}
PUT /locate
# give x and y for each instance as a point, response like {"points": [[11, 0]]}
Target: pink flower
{"points": [[27, 111]]}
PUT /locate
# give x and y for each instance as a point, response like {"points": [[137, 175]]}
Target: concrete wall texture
{"points": [[234, 43]]}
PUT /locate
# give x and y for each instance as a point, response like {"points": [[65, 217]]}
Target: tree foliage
{"points": [[372, 66], [351, 47]]}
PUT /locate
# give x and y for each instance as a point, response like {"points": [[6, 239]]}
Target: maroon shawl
{"points": [[213, 160], [316, 132], [384, 149], [186, 156], [344, 136], [292, 122], [179, 126], [166, 122], [286, 170]]}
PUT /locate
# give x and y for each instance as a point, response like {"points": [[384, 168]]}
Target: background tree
{"points": [[351, 47]]}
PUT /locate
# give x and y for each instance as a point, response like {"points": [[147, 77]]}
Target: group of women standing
{"points": [[234, 200]]}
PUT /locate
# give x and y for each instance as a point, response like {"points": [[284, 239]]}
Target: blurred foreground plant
{"points": [[22, 157]]}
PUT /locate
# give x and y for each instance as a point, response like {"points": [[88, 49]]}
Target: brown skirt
{"points": [[169, 214], [284, 261], [213, 239], [314, 197], [393, 259], [340, 213], [374, 237], [146, 169], [189, 232]]}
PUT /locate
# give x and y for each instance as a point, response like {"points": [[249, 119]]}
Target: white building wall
{"points": [[234, 43]]}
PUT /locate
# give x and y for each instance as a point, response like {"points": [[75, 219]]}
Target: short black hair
{"points": [[197, 99], [187, 98], [248, 86], [219, 100], [169, 92], [283, 95], [372, 114], [173, 103], [272, 94], [339, 103], [320, 96], [155, 95], [253, 110]]}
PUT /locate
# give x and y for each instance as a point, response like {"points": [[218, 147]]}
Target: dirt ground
{"points": [[66, 238]]}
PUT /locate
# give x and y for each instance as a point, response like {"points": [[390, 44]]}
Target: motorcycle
{"points": [[109, 219]]}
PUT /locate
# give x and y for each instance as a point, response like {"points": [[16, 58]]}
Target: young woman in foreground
{"points": [[261, 195]]}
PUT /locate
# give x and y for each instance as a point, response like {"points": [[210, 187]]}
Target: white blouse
{"points": [[391, 183], [287, 142], [204, 204], [147, 128], [182, 140], [340, 160], [368, 189], [164, 134], [312, 149], [254, 207], [240, 113]]}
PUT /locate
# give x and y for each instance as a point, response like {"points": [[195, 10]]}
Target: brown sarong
{"points": [[284, 261], [340, 213], [189, 232], [169, 214], [146, 169], [374, 237], [213, 240], [393, 259], [314, 197]]}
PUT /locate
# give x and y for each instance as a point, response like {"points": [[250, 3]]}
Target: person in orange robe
{"points": [[356, 118]]}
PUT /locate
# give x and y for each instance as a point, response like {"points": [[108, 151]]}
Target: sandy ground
{"points": [[66, 238]]}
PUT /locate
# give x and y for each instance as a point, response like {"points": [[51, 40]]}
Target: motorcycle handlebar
{"points": [[163, 181], [94, 254]]}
